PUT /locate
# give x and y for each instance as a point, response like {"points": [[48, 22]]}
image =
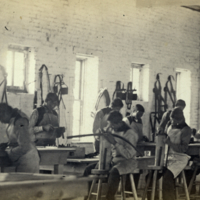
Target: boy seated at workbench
{"points": [[123, 154], [134, 120], [22, 151]]}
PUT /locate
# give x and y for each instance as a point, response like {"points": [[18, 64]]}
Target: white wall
{"points": [[116, 32]]}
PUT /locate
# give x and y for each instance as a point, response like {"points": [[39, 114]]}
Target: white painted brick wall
{"points": [[116, 32]]}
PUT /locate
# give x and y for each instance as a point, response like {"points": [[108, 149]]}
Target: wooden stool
{"points": [[154, 169], [181, 182], [100, 175], [133, 188], [193, 181], [103, 174], [153, 172]]}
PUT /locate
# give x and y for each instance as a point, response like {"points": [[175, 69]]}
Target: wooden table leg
{"points": [[147, 185], [134, 191], [192, 179], [58, 169], [123, 181], [160, 182], [153, 192], [185, 186], [99, 188]]}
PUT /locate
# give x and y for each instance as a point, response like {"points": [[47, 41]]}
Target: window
{"points": [[78, 96], [17, 62], [139, 75], [85, 89], [183, 87]]}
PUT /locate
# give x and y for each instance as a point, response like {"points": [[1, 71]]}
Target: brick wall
{"points": [[116, 32]]}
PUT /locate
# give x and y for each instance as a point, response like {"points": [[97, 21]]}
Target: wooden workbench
{"points": [[19, 186], [193, 148], [49, 156], [78, 165], [54, 156]]}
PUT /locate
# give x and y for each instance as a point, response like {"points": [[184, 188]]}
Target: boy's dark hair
{"points": [[177, 114], [140, 108], [51, 97], [180, 102], [5, 108], [115, 117], [117, 102]]}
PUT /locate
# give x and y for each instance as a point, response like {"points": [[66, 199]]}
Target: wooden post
{"points": [[105, 154], [160, 150], [159, 160]]}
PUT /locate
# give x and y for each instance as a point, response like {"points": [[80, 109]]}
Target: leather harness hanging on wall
{"points": [[160, 106], [130, 96], [119, 92], [59, 89], [35, 103], [169, 90], [125, 94], [102, 93], [40, 78]]}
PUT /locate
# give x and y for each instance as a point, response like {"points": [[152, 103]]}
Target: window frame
{"points": [[143, 70], [80, 96], [18, 49]]}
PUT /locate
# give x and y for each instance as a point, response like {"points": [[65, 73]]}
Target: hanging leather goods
{"points": [[169, 90], [160, 106], [43, 67], [120, 92], [60, 88], [103, 93], [4, 85], [130, 96]]}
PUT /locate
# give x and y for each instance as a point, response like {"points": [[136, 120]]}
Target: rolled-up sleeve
{"points": [[32, 122], [23, 140]]}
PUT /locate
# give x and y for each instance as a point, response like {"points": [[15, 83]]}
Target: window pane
{"points": [[19, 69], [178, 74], [77, 80], [145, 83], [76, 118], [136, 79], [9, 67]]}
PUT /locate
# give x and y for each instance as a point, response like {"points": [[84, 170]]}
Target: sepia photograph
{"points": [[99, 99]]}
